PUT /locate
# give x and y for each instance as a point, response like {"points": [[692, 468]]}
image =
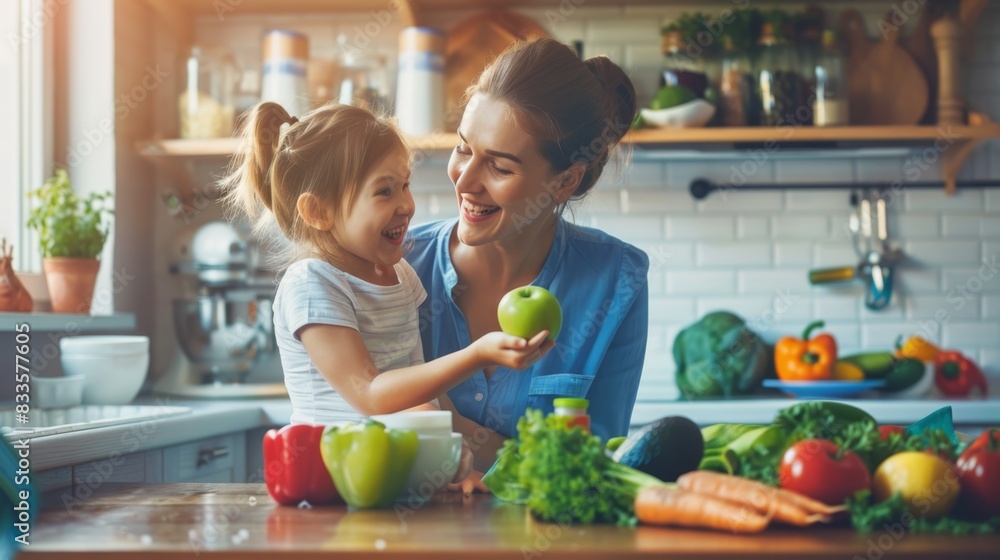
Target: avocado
{"points": [[666, 448]]}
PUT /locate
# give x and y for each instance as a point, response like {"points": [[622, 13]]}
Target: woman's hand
{"points": [[512, 351], [470, 485]]}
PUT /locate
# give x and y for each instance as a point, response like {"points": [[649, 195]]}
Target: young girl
{"points": [[345, 312]]}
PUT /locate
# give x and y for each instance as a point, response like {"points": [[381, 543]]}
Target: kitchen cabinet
{"points": [[216, 459], [239, 520]]}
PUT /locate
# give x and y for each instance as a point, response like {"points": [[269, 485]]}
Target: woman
{"points": [[535, 135]]}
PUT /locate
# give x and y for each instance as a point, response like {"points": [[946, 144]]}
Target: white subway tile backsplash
{"points": [[733, 254], [668, 256], [740, 202], [767, 280], [848, 335], [752, 227], [991, 307], [914, 226], [834, 254], [672, 310], [697, 282], [831, 308], [648, 55], [640, 174], [661, 201], [797, 227], [730, 171], [611, 50], [989, 226], [762, 311], [912, 280], [656, 340], [943, 252], [815, 171], [602, 201], [972, 334], [991, 254], [937, 200], [631, 227], [700, 227], [880, 169], [792, 253], [836, 202], [965, 281], [960, 225], [892, 312], [882, 336], [941, 306]]}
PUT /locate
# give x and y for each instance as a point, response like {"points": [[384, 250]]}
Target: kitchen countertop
{"points": [[212, 418], [241, 521]]}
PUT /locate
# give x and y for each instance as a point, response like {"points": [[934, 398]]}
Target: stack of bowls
{"points": [[114, 367]]}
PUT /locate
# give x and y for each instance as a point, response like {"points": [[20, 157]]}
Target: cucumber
{"points": [[904, 374], [876, 365]]}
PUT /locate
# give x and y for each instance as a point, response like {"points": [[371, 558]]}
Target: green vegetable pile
{"points": [[718, 356], [564, 474], [867, 517]]}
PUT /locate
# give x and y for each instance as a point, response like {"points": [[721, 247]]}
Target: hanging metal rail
{"points": [[700, 188]]}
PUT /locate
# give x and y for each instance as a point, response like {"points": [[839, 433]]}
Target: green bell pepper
{"points": [[369, 463]]}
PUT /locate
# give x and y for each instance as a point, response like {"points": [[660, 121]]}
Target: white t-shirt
{"points": [[313, 291]]}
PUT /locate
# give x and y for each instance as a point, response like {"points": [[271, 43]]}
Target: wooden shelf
{"points": [[954, 143]]}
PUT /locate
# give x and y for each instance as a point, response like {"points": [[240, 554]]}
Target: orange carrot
{"points": [[665, 505], [749, 493]]}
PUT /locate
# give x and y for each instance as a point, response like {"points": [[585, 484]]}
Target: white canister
{"points": [[420, 83], [286, 56]]}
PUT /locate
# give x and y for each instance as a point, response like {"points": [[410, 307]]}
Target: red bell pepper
{"points": [[293, 467], [955, 375]]}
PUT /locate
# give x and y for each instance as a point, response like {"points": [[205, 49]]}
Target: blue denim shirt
{"points": [[601, 284]]}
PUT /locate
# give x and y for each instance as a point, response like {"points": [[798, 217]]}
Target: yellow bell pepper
{"points": [[918, 348]]}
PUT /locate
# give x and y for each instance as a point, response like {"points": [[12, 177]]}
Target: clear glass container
{"points": [[780, 85], [831, 107], [738, 101], [364, 78], [207, 104], [684, 66]]}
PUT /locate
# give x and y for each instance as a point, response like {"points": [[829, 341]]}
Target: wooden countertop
{"points": [[241, 521]]}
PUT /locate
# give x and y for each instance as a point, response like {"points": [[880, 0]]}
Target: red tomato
{"points": [[979, 475], [811, 467], [884, 431]]}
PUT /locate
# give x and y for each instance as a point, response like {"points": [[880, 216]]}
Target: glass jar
{"points": [[779, 84], [574, 411], [830, 107], [737, 95], [207, 104], [364, 77], [685, 65]]}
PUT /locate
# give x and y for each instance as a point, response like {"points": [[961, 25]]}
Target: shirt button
{"points": [[479, 397]]}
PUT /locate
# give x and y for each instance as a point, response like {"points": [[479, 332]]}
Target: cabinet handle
{"points": [[206, 456]]}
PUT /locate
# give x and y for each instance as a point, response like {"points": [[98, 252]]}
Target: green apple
{"points": [[528, 310]]}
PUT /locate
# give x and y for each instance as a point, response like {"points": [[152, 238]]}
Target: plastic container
{"points": [[286, 58], [438, 454], [830, 107], [114, 367], [574, 410], [207, 104], [420, 83]]}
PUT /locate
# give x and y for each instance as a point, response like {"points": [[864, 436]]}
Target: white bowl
{"points": [[57, 392], [692, 114], [438, 453], [114, 366]]}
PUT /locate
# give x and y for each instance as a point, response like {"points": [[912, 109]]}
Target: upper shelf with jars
{"points": [[770, 78]]}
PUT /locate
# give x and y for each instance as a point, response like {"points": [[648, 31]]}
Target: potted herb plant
{"points": [[72, 231]]}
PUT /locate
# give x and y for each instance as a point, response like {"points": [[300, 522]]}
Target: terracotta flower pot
{"points": [[71, 283]]}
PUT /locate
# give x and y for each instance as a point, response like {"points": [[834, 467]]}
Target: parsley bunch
{"points": [[564, 475], [867, 517]]}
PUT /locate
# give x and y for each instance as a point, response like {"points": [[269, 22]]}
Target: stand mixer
{"points": [[224, 327]]}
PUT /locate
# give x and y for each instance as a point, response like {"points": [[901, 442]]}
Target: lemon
{"points": [[927, 483], [671, 96], [846, 371]]}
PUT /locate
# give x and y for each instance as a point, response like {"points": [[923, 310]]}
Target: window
{"points": [[26, 136]]}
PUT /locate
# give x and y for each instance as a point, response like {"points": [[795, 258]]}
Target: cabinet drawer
{"points": [[195, 460]]}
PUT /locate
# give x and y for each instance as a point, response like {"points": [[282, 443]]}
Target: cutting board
{"points": [[885, 84], [472, 44]]}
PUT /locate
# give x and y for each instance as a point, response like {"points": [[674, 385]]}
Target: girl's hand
{"points": [[512, 351], [471, 484]]}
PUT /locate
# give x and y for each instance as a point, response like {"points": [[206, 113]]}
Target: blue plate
{"points": [[824, 389]]}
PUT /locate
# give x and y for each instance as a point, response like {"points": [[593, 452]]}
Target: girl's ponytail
{"points": [[248, 184]]}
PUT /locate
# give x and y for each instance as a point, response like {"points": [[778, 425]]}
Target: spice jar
{"points": [[737, 95], [779, 83], [830, 107], [684, 66], [574, 411], [206, 105]]}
